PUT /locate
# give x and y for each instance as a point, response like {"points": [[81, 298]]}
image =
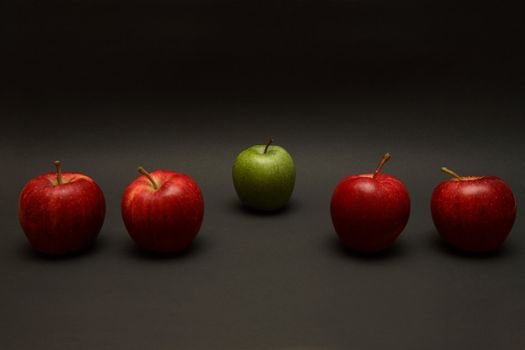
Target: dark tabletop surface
{"points": [[279, 281], [105, 86]]}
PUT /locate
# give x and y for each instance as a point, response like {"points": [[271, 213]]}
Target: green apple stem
{"points": [[385, 159], [268, 145], [58, 165], [148, 175], [451, 173]]}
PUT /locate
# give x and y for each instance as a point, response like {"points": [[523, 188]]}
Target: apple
{"points": [[61, 213], [264, 177], [162, 210], [369, 211], [473, 213]]}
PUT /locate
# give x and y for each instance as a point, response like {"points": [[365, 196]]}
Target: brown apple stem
{"points": [[268, 145], [451, 173], [148, 175], [58, 165], [385, 159]]}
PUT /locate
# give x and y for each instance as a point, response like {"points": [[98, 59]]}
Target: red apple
{"points": [[473, 213], [369, 211], [61, 213], [163, 210]]}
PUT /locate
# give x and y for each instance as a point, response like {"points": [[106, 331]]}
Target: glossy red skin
{"points": [[475, 214], [369, 213], [61, 219], [167, 219]]}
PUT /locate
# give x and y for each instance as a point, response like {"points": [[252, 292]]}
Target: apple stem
{"points": [[385, 159], [148, 175], [451, 173], [58, 165], [268, 145]]}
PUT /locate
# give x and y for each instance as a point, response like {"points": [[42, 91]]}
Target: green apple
{"points": [[264, 176]]}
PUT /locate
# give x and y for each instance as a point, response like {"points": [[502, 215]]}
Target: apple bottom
{"points": [[477, 232], [362, 236], [164, 241], [62, 244], [71, 239], [168, 229], [479, 241], [64, 227]]}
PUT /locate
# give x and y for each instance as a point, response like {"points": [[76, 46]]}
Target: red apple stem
{"points": [[385, 159], [58, 165], [148, 175], [268, 145], [451, 173]]}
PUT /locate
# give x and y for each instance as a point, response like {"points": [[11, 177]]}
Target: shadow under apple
{"points": [[197, 247], [237, 207]]}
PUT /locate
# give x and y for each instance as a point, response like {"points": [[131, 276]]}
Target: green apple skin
{"points": [[264, 181]]}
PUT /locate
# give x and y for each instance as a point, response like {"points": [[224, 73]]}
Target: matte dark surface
{"points": [[431, 85], [267, 281]]}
